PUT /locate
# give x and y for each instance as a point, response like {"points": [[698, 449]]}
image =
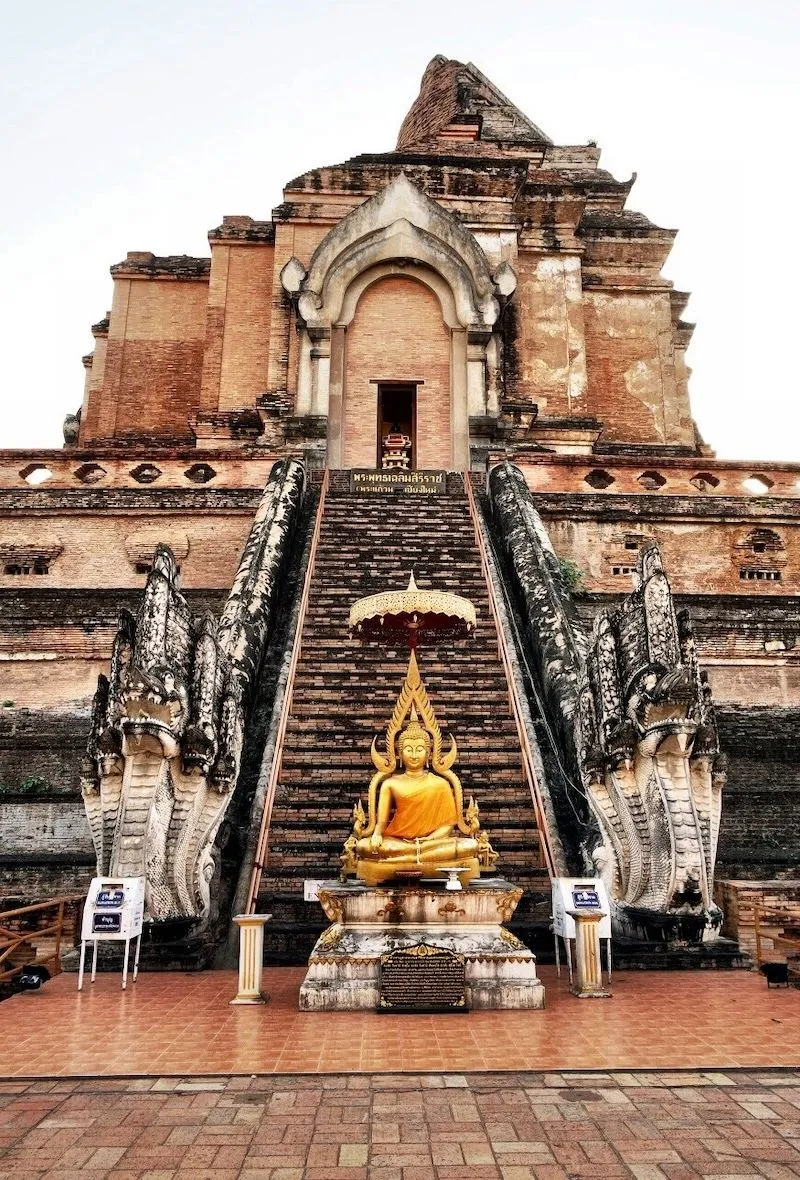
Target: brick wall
{"points": [[760, 830], [46, 825], [398, 335], [631, 369], [46, 745], [46, 847], [101, 548], [699, 555], [238, 327], [153, 362], [435, 106], [550, 344], [53, 646]]}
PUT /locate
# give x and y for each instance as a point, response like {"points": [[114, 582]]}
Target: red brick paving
{"points": [[183, 1024], [480, 1126]]}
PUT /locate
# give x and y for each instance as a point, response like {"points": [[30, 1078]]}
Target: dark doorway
{"points": [[397, 415]]}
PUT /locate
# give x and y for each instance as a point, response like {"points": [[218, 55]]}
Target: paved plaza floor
{"points": [[680, 1074], [183, 1024], [453, 1126]]}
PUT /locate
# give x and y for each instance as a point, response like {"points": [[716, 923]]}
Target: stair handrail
{"points": [[522, 732], [259, 862], [12, 940]]}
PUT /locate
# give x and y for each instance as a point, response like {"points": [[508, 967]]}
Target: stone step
{"points": [[344, 693]]}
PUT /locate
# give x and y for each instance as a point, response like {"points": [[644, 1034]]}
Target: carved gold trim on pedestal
{"points": [[365, 961], [451, 908], [332, 905], [511, 939], [331, 937], [392, 912]]}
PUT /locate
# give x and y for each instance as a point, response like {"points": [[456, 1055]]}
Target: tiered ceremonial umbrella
{"points": [[412, 616]]}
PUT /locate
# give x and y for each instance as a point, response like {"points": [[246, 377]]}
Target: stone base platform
{"points": [[344, 967]]}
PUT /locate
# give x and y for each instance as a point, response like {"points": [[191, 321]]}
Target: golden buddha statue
{"points": [[415, 819]]}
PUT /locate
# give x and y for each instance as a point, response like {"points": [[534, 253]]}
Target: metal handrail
{"points": [[522, 733], [259, 863]]}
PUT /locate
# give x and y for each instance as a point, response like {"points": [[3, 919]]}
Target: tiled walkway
{"points": [[507, 1126], [182, 1024]]}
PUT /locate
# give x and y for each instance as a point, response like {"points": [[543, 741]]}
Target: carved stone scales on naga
{"points": [[652, 765], [415, 820], [634, 717], [168, 724]]}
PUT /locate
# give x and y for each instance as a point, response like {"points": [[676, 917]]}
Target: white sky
{"points": [[136, 126]]}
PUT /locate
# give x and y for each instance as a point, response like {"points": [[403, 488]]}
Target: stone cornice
{"points": [[615, 506], [243, 230], [141, 264], [83, 500]]}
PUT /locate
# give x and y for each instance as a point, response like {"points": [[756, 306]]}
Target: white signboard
{"points": [[579, 893], [113, 912], [311, 889], [114, 909]]}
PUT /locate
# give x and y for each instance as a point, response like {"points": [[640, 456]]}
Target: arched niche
{"points": [[400, 231], [412, 362]]}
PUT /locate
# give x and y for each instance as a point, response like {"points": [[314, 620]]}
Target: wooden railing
{"points": [[782, 944], [261, 851], [22, 931]]}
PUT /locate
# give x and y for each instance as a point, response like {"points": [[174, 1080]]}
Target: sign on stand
{"points": [[114, 912], [579, 894]]}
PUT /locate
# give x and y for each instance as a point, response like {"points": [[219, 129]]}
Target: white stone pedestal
{"points": [[588, 983], [344, 967], [251, 958]]}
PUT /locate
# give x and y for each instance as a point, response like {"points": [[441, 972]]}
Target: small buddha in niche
{"points": [[418, 821], [396, 450]]}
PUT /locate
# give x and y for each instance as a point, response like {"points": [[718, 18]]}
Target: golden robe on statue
{"points": [[421, 808]]}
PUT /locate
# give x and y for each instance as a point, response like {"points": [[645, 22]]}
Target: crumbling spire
{"points": [[457, 103]]}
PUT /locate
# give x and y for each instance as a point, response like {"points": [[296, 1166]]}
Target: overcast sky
{"points": [[136, 126]]}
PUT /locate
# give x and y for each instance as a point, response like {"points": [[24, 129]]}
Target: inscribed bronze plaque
{"points": [[422, 978], [405, 483]]}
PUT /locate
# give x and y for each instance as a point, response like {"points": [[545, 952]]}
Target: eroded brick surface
{"points": [[523, 1126]]}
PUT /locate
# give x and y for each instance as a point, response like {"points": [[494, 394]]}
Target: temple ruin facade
{"points": [[482, 306]]}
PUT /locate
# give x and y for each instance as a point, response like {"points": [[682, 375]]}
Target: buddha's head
{"points": [[414, 746]]}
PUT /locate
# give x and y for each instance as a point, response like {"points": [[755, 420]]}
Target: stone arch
{"points": [[399, 231], [416, 351], [399, 222], [420, 274]]}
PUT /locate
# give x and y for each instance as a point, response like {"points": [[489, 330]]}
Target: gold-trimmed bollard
{"points": [[251, 958]]}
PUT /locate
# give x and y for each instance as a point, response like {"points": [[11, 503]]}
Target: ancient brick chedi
{"points": [[481, 301]]}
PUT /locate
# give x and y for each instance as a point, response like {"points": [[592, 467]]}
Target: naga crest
{"points": [[652, 768], [167, 724]]}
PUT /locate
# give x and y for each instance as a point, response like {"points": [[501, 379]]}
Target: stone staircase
{"points": [[344, 693]]}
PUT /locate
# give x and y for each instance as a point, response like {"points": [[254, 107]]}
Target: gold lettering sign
{"points": [[424, 483], [422, 978]]}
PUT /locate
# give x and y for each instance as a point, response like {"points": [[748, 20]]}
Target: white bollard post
{"points": [[251, 958], [589, 982]]}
